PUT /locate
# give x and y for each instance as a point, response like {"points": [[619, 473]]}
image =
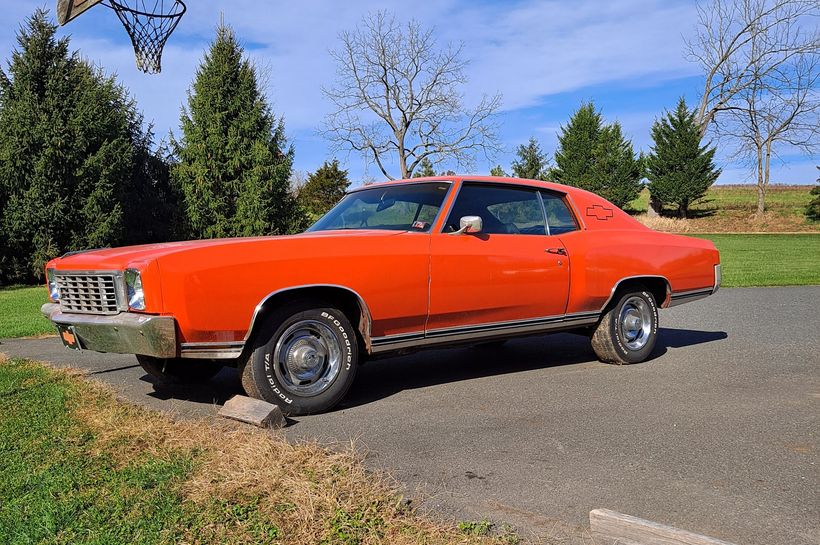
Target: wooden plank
{"points": [[253, 411], [611, 528]]}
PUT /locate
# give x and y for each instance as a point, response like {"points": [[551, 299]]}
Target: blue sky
{"points": [[545, 58]]}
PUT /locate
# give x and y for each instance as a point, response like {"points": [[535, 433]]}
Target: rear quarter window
{"points": [[560, 218]]}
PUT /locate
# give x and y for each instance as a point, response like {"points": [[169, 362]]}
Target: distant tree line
{"points": [[597, 157]]}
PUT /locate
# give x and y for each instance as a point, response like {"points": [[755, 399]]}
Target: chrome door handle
{"points": [[556, 251]]}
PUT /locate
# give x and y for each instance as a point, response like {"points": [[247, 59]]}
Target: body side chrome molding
{"points": [[688, 296], [480, 331]]}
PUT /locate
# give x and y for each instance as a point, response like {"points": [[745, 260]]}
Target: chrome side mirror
{"points": [[470, 225]]}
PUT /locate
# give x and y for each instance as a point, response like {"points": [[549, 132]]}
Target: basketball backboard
{"points": [[69, 9]]}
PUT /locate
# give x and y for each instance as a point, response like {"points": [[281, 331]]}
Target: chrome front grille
{"points": [[92, 292]]}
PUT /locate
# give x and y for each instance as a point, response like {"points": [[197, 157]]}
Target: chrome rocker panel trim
{"points": [[212, 350], [124, 333], [454, 335]]}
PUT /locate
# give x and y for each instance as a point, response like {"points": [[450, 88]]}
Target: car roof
{"points": [[468, 178]]}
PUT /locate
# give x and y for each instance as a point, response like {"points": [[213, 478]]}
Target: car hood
{"points": [[135, 256]]}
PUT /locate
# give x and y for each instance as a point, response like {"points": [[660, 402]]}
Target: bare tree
{"points": [[739, 41], [760, 59], [397, 94], [781, 107]]}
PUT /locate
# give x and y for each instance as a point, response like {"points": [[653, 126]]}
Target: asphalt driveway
{"points": [[717, 433]]}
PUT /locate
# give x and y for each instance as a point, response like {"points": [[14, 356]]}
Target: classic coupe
{"points": [[393, 267]]}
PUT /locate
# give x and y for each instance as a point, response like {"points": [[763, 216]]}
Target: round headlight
{"points": [[53, 290], [133, 285]]}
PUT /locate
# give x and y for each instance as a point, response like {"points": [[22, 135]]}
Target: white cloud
{"points": [[543, 48], [525, 50]]}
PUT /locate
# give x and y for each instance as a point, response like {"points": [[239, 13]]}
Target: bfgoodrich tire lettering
{"points": [[307, 361], [628, 330]]}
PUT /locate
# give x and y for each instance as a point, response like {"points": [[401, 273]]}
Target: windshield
{"points": [[405, 207]]}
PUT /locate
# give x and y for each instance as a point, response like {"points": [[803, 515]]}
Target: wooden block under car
{"points": [[611, 528], [253, 411]]}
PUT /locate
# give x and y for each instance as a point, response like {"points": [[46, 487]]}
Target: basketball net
{"points": [[148, 23]]}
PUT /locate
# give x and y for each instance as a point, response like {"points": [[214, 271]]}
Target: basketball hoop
{"points": [[148, 23]]}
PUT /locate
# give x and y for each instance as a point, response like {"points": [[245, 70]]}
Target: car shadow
{"points": [[382, 378], [218, 390], [679, 338]]}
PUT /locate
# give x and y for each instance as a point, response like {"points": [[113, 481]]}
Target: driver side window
{"points": [[503, 211]]}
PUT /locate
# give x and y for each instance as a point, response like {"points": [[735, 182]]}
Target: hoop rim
{"points": [[116, 5]]}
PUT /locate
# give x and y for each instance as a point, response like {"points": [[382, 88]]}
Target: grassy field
{"points": [[80, 467], [731, 208], [768, 260], [20, 312]]}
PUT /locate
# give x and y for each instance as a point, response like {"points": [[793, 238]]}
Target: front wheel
{"points": [[307, 362], [628, 330]]}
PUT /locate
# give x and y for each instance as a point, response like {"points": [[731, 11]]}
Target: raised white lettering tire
{"points": [[304, 360], [628, 330]]}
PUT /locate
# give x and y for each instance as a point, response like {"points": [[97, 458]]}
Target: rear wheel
{"points": [[167, 371], [628, 330], [306, 361]]}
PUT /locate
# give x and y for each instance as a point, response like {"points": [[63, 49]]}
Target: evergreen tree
{"points": [[424, 169], [498, 170], [680, 170], [532, 163], [233, 161], [615, 173], [324, 188], [813, 208], [577, 142], [72, 154], [597, 157]]}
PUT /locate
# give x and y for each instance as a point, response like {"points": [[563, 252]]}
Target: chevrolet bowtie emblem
{"points": [[600, 212]]}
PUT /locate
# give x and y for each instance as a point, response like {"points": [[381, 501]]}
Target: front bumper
{"points": [[123, 333]]}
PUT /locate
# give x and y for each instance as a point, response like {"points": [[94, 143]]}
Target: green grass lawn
{"points": [[80, 467], [20, 312], [731, 208], [768, 260], [56, 486], [787, 200]]}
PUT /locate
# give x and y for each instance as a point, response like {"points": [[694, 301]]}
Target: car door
{"points": [[511, 272]]}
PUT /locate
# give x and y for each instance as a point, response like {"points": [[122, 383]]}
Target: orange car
{"points": [[394, 267]]}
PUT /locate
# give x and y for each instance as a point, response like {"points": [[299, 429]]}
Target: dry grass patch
{"points": [[669, 225], [248, 485]]}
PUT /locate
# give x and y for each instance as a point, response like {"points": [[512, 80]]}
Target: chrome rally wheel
{"points": [[635, 320], [308, 358], [628, 329]]}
